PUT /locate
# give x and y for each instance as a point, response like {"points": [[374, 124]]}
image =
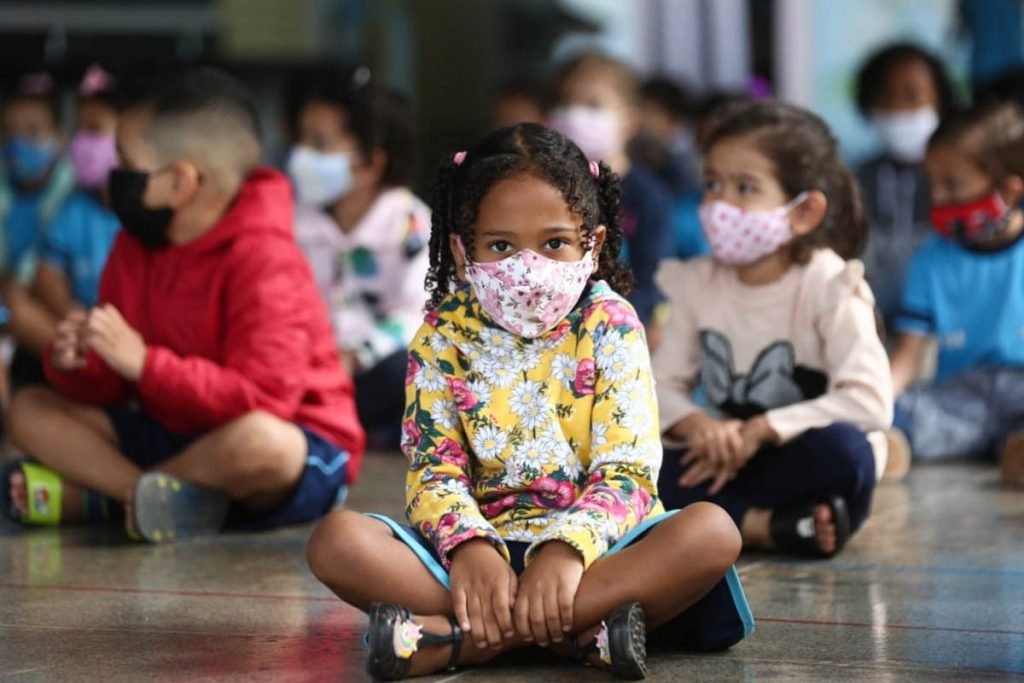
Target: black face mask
{"points": [[147, 225]]}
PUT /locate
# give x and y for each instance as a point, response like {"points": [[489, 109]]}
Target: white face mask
{"points": [[320, 178], [906, 133], [595, 131]]}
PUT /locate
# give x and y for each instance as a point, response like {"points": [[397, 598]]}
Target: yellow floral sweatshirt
{"points": [[532, 440]]}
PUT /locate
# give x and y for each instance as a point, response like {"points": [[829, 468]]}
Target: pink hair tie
{"points": [[96, 80], [595, 169], [459, 158]]}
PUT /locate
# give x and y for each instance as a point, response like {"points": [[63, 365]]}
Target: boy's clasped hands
{"points": [[719, 449], [104, 331], [493, 605]]}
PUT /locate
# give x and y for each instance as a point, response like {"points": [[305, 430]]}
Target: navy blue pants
{"points": [[833, 460], [380, 395]]}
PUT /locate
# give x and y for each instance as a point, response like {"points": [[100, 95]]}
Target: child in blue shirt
{"points": [[965, 289], [74, 249], [36, 181]]}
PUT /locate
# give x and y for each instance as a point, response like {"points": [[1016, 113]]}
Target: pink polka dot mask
{"points": [[739, 237]]}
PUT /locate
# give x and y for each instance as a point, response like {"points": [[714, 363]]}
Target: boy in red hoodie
{"points": [[205, 389]]}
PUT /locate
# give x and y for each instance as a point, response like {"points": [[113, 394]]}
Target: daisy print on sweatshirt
{"points": [[511, 438]]}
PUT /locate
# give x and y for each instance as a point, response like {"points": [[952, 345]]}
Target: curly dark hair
{"points": [[806, 157], [526, 149]]}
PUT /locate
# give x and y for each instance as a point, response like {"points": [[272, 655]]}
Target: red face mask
{"points": [[971, 222]]}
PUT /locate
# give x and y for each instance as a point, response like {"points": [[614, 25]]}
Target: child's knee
{"points": [[710, 528], [336, 544], [259, 441]]}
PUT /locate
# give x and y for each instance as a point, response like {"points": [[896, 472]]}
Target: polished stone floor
{"points": [[932, 589]]}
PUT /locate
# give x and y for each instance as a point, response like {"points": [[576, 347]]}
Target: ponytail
{"points": [[609, 266], [441, 275]]}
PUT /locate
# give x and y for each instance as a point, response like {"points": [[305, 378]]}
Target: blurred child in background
{"points": [[965, 289], [596, 106], [74, 249], [364, 232], [666, 144], [204, 389], [520, 101], [904, 92], [36, 183]]}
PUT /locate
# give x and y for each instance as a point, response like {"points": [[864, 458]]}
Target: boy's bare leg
{"points": [[256, 459], [675, 565]]}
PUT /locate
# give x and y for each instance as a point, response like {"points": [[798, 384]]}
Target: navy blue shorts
{"points": [[716, 622], [323, 484]]}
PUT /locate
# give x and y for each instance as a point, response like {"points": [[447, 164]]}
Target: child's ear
{"points": [[1012, 190], [185, 181], [459, 256], [808, 214]]}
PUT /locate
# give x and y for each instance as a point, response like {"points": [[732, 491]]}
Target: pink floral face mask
{"points": [[738, 237], [526, 293]]}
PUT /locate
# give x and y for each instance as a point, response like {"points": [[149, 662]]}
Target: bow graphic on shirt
{"points": [[774, 380]]}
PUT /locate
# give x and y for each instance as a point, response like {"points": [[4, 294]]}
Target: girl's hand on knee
{"points": [[483, 588], [547, 592]]}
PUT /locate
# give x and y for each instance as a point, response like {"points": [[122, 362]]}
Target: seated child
{"points": [[903, 91], [777, 328], [73, 251], [518, 101], [597, 99], [532, 435], [965, 289], [204, 388], [364, 232], [36, 184]]}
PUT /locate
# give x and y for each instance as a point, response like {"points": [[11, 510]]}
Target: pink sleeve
{"points": [[676, 363], [860, 382]]}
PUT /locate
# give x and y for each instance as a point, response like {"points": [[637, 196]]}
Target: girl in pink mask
{"points": [[773, 386], [73, 251], [532, 435], [965, 290]]}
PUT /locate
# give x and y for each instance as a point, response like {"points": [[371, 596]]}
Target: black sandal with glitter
{"points": [[624, 652], [393, 638]]}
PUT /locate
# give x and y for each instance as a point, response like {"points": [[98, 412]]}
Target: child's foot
{"points": [[898, 465], [165, 508], [818, 530], [70, 499], [1011, 463], [824, 529], [403, 645], [618, 644]]}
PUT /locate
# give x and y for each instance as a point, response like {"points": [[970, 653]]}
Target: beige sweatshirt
{"points": [[804, 350]]}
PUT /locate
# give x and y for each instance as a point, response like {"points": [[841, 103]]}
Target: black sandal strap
{"points": [[793, 529], [581, 652], [456, 640]]}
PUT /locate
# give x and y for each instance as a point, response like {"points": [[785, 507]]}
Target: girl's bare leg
{"points": [[675, 565]]}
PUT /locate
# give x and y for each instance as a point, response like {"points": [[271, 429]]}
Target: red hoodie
{"points": [[233, 323]]}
